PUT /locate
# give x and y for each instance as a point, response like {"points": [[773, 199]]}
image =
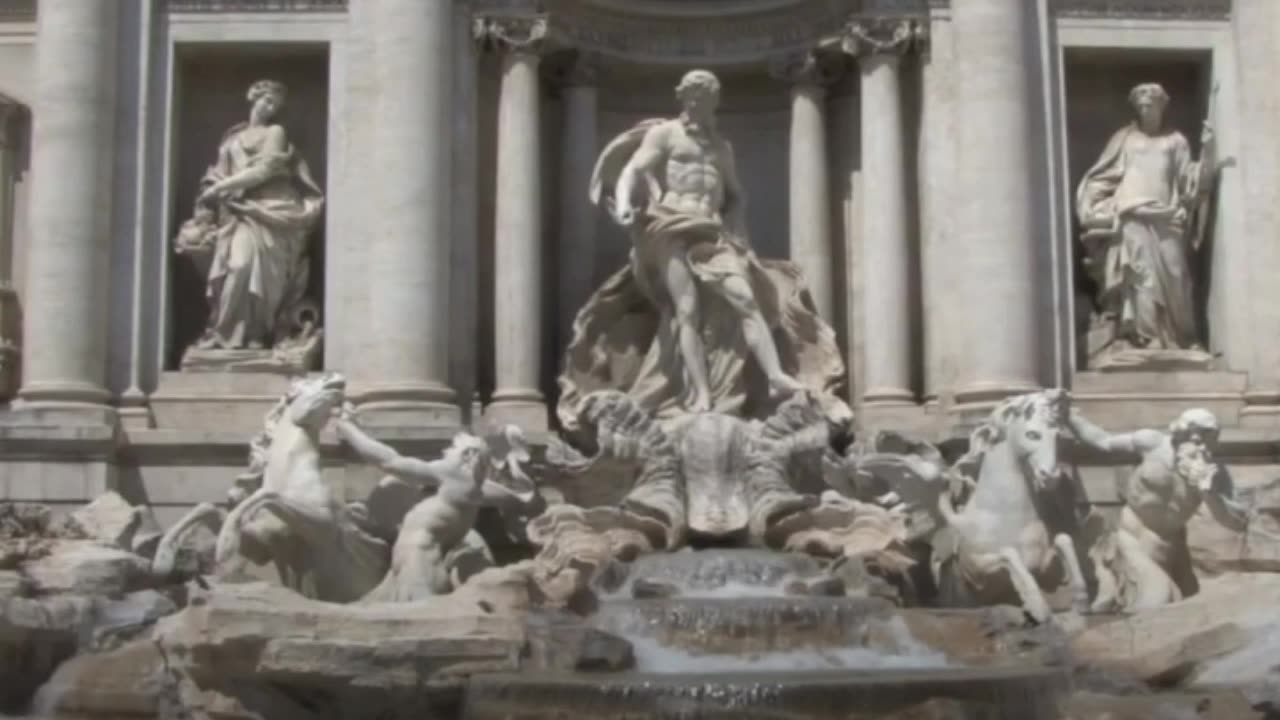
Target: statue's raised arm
{"points": [[613, 176]]}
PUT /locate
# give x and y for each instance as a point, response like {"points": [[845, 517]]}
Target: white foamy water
{"points": [[654, 658], [909, 654], [730, 589]]}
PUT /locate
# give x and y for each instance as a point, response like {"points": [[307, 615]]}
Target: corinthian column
{"points": [[886, 259], [64, 362], [518, 224], [995, 225], [407, 359], [809, 190], [577, 214]]}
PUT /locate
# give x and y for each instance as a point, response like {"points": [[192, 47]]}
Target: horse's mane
{"points": [[992, 432], [261, 443]]}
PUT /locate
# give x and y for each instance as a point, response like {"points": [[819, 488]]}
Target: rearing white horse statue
{"points": [[998, 547]]}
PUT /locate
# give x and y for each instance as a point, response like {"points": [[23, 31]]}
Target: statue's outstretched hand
{"points": [[347, 412], [623, 213]]}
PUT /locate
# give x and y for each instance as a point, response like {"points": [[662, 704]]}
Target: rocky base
{"points": [[88, 631]]}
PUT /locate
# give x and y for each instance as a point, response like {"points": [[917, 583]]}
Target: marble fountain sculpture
{"points": [[705, 539]]}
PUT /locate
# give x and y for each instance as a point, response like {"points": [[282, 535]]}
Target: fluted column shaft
{"points": [[577, 214], [995, 226], [518, 252], [409, 248], [886, 256], [809, 189], [64, 361]]}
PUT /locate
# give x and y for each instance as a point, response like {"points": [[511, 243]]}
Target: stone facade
{"points": [[917, 160]]}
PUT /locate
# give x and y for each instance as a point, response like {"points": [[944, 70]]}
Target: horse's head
{"points": [[311, 401], [1032, 424]]}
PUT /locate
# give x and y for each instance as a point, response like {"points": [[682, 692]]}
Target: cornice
{"points": [[687, 33], [240, 6], [1144, 9]]}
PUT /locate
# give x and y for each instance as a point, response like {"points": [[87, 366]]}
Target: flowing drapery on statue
{"points": [[257, 207], [1143, 207], [627, 335]]}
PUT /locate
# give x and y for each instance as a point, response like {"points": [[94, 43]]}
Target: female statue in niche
{"points": [[257, 206], [1143, 207]]}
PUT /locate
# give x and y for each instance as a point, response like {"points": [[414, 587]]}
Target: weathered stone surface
{"points": [[243, 645], [13, 584], [108, 519], [1177, 641], [122, 684], [935, 709], [38, 634], [85, 567], [1220, 705], [35, 636], [259, 633]]}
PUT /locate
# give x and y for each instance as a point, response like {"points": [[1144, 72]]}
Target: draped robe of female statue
{"points": [[1144, 208]]}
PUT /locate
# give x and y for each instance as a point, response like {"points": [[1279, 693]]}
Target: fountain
{"points": [[733, 633], [708, 540]]}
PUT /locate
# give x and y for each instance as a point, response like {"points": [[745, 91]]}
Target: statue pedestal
{"points": [[1143, 398], [293, 356], [224, 401], [1131, 359]]}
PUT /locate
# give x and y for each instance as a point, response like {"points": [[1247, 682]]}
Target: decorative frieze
{"points": [[682, 38], [1150, 9], [881, 35], [805, 68], [229, 6], [514, 33]]}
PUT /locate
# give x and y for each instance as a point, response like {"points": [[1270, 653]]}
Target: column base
{"points": [[66, 415], [888, 397], [64, 392], [134, 412], [993, 391], [407, 405], [61, 404], [526, 409]]}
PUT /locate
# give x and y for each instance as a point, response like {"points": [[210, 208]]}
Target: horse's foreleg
{"points": [[229, 538], [167, 551], [1025, 584], [1075, 574]]}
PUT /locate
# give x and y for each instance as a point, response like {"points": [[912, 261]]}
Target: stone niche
{"points": [[212, 82], [1097, 85]]}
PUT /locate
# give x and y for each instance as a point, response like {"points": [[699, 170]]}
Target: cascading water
{"points": [[725, 634]]}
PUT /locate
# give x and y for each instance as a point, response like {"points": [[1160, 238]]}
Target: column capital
{"points": [[865, 37], [514, 34], [805, 68]]}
